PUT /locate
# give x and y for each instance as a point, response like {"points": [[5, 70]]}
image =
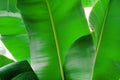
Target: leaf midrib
{"points": [[103, 25], [101, 34], [56, 39]]}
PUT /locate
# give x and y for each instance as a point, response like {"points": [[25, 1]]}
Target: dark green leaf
{"points": [[17, 70], [79, 62]]}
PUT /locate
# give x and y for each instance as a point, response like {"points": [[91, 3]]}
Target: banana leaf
{"points": [[12, 30], [88, 3], [55, 28], [15, 70], [9, 5], [15, 37], [4, 60], [105, 20], [79, 62]]}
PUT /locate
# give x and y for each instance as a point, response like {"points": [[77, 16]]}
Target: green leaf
{"points": [[105, 19], [88, 3], [14, 71], [4, 60], [79, 62], [13, 31], [54, 26], [26, 75], [9, 5], [98, 18], [14, 36]]}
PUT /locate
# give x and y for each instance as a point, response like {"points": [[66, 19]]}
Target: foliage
{"points": [[106, 26], [55, 38]]}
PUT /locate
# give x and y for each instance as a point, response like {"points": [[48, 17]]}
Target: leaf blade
{"points": [[70, 25], [107, 59], [4, 60], [14, 35]]}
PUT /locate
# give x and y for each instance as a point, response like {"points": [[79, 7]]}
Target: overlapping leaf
{"points": [[17, 71], [105, 19], [13, 31], [55, 28], [4, 60], [88, 3]]}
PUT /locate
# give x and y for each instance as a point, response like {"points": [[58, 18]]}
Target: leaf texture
{"points": [[54, 27], [104, 19], [14, 71], [13, 31]]}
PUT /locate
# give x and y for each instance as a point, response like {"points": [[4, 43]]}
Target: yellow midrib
{"points": [[100, 38], [56, 40], [102, 29]]}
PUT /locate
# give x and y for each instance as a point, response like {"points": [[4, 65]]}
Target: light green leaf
{"points": [[54, 27], [15, 37], [105, 20], [88, 3], [98, 18], [4, 60], [13, 31]]}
